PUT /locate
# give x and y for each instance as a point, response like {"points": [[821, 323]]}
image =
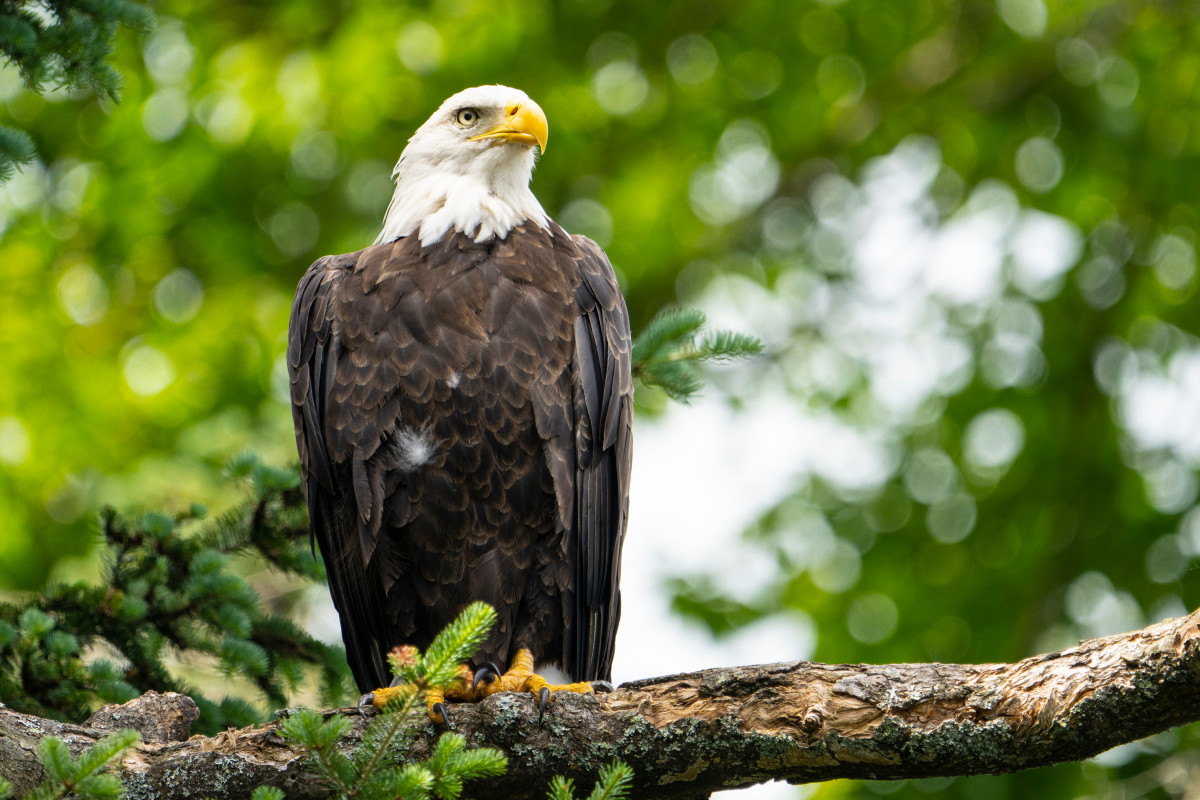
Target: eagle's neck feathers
{"points": [[436, 193]]}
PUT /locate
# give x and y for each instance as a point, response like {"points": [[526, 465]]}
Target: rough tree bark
{"points": [[689, 735]]}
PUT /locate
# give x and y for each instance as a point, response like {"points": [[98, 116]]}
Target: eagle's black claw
{"points": [[365, 702], [543, 701], [603, 686], [487, 673], [440, 708]]}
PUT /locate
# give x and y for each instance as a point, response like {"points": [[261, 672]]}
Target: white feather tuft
{"points": [[414, 448], [444, 182]]}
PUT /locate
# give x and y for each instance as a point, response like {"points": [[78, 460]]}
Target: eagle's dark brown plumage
{"points": [[463, 414]]}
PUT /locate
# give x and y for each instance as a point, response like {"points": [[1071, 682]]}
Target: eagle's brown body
{"points": [[463, 416]]}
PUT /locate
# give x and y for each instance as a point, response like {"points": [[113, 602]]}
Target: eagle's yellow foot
{"points": [[435, 700], [521, 678], [382, 696]]}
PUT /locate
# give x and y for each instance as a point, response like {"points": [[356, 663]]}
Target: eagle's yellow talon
{"points": [[521, 678], [435, 704], [381, 697], [487, 674], [435, 700]]}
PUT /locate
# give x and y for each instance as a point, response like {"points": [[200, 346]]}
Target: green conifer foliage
{"points": [[16, 148], [375, 768], [613, 784], [84, 777], [667, 351], [164, 589], [62, 44]]}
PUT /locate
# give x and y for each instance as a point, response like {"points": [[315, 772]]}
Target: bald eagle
{"points": [[462, 398]]}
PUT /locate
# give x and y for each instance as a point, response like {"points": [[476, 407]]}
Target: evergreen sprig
{"points": [[613, 784], [668, 351], [67, 43], [82, 777], [16, 148], [63, 44], [439, 667], [166, 589], [373, 770]]}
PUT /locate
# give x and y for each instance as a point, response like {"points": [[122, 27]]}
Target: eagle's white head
{"points": [[468, 168]]}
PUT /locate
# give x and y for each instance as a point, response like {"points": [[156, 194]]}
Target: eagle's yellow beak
{"points": [[525, 123]]}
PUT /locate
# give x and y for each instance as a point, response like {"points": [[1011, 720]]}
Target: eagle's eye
{"points": [[466, 116]]}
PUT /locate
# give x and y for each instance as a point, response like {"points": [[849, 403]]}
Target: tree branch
{"points": [[689, 735]]}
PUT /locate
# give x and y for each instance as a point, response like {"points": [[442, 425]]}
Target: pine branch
{"points": [[613, 784], [371, 771], [666, 354], [452, 647], [16, 149], [320, 737], [165, 589], [84, 777], [69, 46], [66, 44]]}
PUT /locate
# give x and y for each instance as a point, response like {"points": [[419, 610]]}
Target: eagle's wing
{"points": [[313, 345], [603, 457]]}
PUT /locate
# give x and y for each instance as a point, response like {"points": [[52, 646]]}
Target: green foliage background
{"points": [[149, 256]]}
